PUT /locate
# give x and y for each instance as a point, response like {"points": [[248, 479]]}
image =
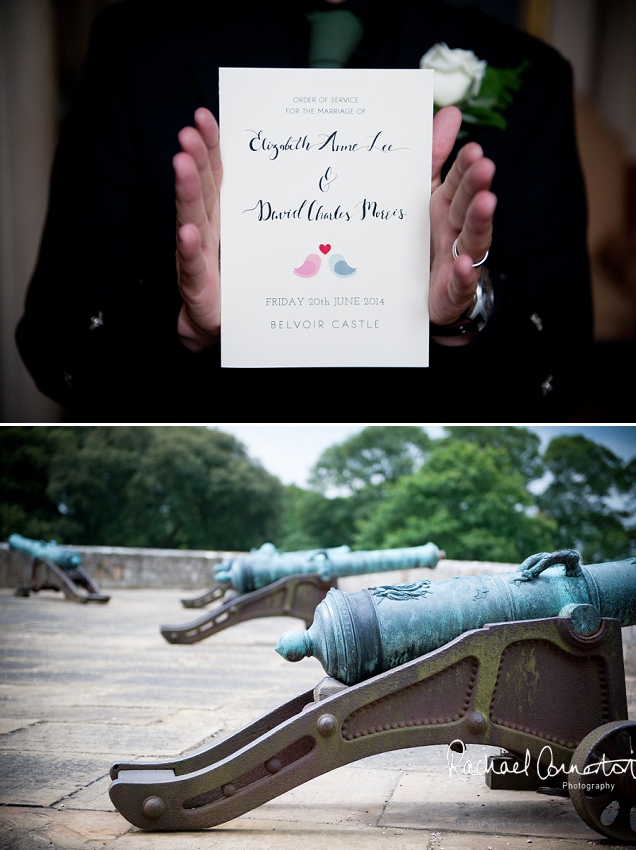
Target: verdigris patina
{"points": [[271, 583], [358, 635], [260, 569], [54, 567], [65, 558]]}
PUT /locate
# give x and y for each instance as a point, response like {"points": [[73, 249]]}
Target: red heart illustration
{"points": [[324, 249]]}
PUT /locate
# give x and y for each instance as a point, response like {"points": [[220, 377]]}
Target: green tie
{"points": [[334, 36]]}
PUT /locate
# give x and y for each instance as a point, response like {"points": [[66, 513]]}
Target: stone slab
{"points": [[58, 829], [10, 724], [49, 829], [92, 798], [436, 801], [42, 779], [159, 740]]}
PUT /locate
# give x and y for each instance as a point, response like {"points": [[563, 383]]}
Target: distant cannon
{"points": [[549, 690], [269, 583], [241, 568], [54, 567]]}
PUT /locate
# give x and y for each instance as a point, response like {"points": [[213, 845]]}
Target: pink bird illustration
{"points": [[310, 267]]}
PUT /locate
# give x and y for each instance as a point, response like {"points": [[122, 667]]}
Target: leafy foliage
{"points": [[521, 445], [374, 457], [470, 493], [584, 498], [25, 456], [312, 521], [177, 487], [494, 97], [469, 500], [192, 487]]}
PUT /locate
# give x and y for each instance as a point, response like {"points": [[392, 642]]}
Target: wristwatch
{"points": [[475, 318]]}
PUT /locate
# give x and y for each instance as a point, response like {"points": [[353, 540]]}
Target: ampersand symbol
{"points": [[326, 180]]}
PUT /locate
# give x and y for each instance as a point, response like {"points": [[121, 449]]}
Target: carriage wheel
{"points": [[602, 780]]}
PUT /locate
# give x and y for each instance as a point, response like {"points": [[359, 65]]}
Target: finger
{"points": [[199, 289], [199, 318], [193, 144], [476, 234], [467, 157], [446, 126], [190, 207], [191, 264], [477, 178], [208, 128]]}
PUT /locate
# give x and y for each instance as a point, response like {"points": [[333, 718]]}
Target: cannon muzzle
{"points": [[358, 635]]}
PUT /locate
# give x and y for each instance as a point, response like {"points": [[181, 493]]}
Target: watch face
{"points": [[485, 302]]}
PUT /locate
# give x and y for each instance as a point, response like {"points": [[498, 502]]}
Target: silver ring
{"points": [[475, 265]]}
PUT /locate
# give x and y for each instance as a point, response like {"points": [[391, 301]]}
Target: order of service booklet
{"points": [[325, 217]]}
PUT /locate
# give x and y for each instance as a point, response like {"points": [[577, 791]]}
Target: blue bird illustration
{"points": [[310, 267], [340, 267]]}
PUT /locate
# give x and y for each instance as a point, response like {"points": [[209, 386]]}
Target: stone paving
{"points": [[82, 686]]}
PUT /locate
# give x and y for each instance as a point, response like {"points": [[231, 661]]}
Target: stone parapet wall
{"points": [[118, 566]]}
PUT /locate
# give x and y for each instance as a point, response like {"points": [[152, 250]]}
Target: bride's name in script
{"points": [[330, 142]]}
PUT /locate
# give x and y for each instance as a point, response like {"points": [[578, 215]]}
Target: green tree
{"points": [[360, 468], [89, 480], [25, 456], [629, 478], [176, 487], [203, 491], [312, 521], [469, 500], [523, 446], [588, 498], [371, 459]]}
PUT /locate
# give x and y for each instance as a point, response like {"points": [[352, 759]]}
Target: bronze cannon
{"points": [[55, 567], [270, 583]]}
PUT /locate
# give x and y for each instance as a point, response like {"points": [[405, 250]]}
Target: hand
{"points": [[461, 207], [198, 172]]}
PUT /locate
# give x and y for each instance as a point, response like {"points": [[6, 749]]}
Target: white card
{"points": [[325, 216]]}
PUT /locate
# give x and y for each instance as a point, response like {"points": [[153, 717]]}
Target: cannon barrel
{"points": [[255, 571], [358, 635], [65, 558], [250, 572]]}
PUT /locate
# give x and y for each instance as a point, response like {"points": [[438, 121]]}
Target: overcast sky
{"points": [[289, 451]]}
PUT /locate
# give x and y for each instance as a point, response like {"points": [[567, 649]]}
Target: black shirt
{"points": [[99, 329]]}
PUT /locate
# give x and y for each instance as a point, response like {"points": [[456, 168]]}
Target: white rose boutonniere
{"points": [[480, 91], [458, 73]]}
